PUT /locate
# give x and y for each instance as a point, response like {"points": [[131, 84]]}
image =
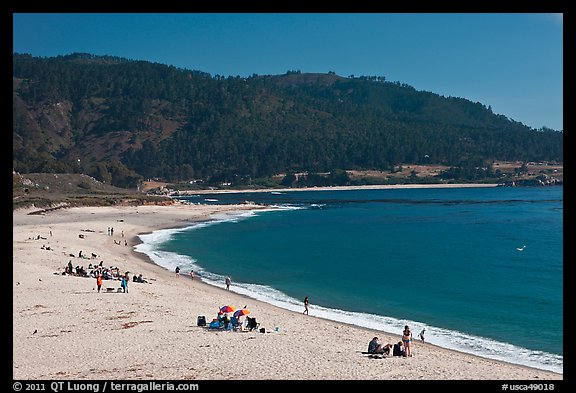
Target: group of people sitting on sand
{"points": [[224, 321], [401, 348], [377, 348], [74, 271], [107, 273], [111, 273], [139, 278]]}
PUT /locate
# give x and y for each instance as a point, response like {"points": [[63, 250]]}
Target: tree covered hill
{"points": [[121, 121]]}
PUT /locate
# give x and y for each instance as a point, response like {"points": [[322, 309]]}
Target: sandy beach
{"points": [[63, 328]]}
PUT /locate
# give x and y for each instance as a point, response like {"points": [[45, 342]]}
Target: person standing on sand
{"points": [[177, 271], [306, 302], [421, 334], [124, 284], [99, 281], [407, 340], [228, 282], [192, 274]]}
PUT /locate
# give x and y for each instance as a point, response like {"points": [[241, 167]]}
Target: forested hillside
{"points": [[122, 121]]}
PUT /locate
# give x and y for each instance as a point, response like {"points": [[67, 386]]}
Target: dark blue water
{"points": [[442, 259]]}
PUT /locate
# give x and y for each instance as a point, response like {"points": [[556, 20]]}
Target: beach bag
{"points": [[201, 320], [262, 330]]}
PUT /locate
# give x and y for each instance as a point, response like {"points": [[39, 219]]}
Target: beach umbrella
{"points": [[227, 309], [240, 313]]}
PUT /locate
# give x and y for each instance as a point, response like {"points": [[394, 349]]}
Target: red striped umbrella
{"points": [[242, 312], [227, 309]]}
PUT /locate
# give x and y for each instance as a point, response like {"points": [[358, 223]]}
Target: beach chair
{"points": [[234, 323], [252, 324]]}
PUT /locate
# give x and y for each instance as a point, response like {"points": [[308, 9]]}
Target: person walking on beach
{"points": [[306, 302], [99, 282], [421, 335], [228, 282], [177, 271], [192, 274], [407, 340]]}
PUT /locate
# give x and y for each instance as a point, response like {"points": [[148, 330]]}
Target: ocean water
{"points": [[481, 269]]}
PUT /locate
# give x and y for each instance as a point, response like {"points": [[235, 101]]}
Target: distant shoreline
{"points": [[339, 188]]}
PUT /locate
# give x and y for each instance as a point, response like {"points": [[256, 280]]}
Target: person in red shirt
{"points": [[99, 281]]}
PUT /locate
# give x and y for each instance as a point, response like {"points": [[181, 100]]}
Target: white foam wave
{"points": [[287, 206], [169, 260]]}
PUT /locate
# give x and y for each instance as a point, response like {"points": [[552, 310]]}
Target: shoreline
{"points": [[337, 315], [67, 314], [341, 188]]}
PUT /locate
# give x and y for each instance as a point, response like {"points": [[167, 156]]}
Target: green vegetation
{"points": [[123, 121]]}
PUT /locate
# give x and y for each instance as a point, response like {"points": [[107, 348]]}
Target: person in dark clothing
{"points": [[375, 346], [398, 349]]}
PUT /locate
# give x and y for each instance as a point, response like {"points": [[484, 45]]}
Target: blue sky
{"points": [[512, 62]]}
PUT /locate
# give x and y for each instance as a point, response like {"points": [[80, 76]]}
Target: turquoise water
{"points": [[442, 259]]}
